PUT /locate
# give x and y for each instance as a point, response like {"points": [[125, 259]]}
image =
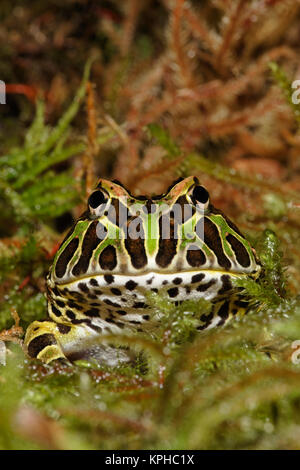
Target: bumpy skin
{"points": [[103, 270]]}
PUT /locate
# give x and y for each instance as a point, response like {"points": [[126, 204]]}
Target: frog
{"points": [[123, 249]]}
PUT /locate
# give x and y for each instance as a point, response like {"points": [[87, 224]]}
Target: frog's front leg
{"points": [[49, 340], [43, 340]]}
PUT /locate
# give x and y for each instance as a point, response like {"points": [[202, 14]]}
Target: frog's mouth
{"points": [[153, 280], [148, 277]]}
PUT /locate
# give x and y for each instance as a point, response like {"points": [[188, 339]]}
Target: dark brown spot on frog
{"points": [[135, 243], [65, 257], [108, 258], [239, 250], [197, 278], [195, 257], [109, 278], [206, 286], [89, 243], [167, 242], [208, 232], [226, 284], [131, 285], [173, 292]]}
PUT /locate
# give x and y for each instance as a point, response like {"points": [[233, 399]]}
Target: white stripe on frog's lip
{"points": [[157, 277], [150, 280]]}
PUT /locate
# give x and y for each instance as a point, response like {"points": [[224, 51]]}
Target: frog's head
{"points": [[179, 231]]}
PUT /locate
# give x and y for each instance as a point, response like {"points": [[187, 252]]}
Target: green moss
{"points": [[269, 291], [163, 137]]}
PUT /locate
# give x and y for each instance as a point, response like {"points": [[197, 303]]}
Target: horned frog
{"points": [[121, 248]]}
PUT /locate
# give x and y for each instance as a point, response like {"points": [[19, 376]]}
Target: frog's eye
{"points": [[200, 197], [97, 201]]}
